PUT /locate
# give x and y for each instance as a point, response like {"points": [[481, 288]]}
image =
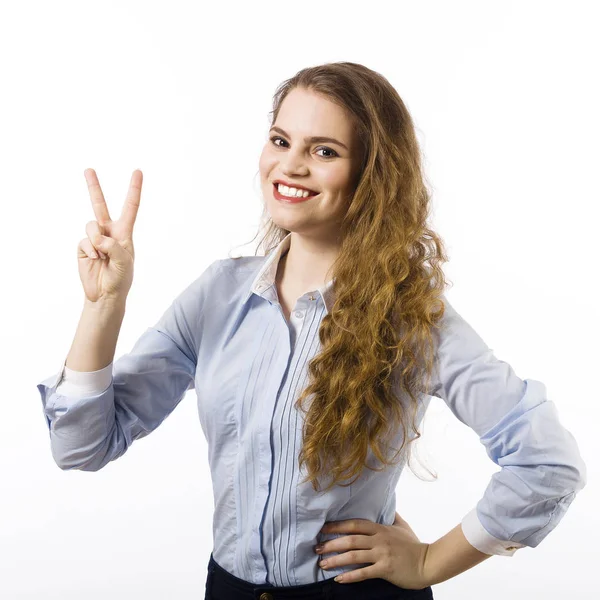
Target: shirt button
{"points": [[266, 596], [298, 314]]}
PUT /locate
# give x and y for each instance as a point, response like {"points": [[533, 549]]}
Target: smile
{"points": [[290, 199]]}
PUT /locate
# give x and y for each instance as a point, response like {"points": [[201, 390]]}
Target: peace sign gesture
{"points": [[110, 275]]}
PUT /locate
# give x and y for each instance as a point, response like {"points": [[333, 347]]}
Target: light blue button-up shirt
{"points": [[226, 337]]}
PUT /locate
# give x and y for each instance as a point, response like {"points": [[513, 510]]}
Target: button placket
{"points": [[300, 313]]}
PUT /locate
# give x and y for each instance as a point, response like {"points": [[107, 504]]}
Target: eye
{"points": [[328, 150], [276, 137], [334, 153]]}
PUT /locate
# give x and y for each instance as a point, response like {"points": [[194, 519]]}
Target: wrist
{"points": [[450, 555], [108, 304], [427, 574], [430, 569]]}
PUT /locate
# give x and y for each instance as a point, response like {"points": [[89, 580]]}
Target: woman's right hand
{"points": [[108, 278]]}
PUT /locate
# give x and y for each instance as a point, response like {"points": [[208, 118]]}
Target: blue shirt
{"points": [[226, 337]]}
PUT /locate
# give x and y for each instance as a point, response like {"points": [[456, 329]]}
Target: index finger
{"points": [[132, 202], [98, 201]]}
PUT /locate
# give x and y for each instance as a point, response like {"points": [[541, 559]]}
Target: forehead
{"points": [[306, 113]]}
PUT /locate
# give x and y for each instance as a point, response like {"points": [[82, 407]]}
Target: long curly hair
{"points": [[376, 343]]}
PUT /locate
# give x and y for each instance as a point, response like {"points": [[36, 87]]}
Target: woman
{"points": [[314, 364]]}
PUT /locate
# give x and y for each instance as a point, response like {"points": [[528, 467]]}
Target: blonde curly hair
{"points": [[377, 340]]}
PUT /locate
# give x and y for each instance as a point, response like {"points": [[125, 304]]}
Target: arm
{"points": [[93, 347], [541, 467], [88, 430], [450, 555]]}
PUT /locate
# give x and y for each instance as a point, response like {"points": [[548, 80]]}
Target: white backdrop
{"points": [[505, 99]]}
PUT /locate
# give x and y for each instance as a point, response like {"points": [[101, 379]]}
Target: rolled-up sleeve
{"points": [[88, 430], [541, 467]]}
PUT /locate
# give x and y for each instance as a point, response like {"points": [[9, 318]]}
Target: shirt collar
{"points": [[265, 277]]}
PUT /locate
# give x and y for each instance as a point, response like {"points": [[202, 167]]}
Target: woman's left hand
{"points": [[396, 552]]}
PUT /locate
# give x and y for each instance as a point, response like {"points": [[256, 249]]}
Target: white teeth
{"points": [[291, 191]]}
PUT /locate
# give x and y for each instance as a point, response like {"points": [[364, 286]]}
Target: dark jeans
{"points": [[222, 585]]}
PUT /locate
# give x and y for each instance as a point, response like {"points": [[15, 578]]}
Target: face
{"points": [[326, 167]]}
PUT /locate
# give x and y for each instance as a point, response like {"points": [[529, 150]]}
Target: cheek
{"points": [[337, 181], [265, 163]]}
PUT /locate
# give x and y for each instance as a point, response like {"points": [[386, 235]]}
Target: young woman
{"points": [[314, 364]]}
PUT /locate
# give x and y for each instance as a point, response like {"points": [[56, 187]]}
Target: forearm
{"points": [[450, 555], [95, 340]]}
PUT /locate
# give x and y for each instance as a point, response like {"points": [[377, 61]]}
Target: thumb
{"points": [[110, 247]]}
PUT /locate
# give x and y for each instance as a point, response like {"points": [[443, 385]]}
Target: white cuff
{"points": [[484, 541], [84, 383]]}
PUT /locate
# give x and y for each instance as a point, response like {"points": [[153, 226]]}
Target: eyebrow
{"points": [[314, 139]]}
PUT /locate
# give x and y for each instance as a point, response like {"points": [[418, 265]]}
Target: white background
{"points": [[505, 99]]}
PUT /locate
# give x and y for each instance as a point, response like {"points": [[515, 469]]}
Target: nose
{"points": [[293, 164]]}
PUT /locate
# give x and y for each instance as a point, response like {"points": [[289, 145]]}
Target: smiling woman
{"points": [[357, 273], [314, 364], [367, 132]]}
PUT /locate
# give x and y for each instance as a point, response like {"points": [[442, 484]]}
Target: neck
{"points": [[306, 267]]}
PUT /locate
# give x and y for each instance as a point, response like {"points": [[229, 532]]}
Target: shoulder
{"points": [[222, 278], [221, 268], [452, 326], [241, 265]]}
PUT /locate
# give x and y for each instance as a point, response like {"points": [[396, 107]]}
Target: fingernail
{"points": [[319, 548]]}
